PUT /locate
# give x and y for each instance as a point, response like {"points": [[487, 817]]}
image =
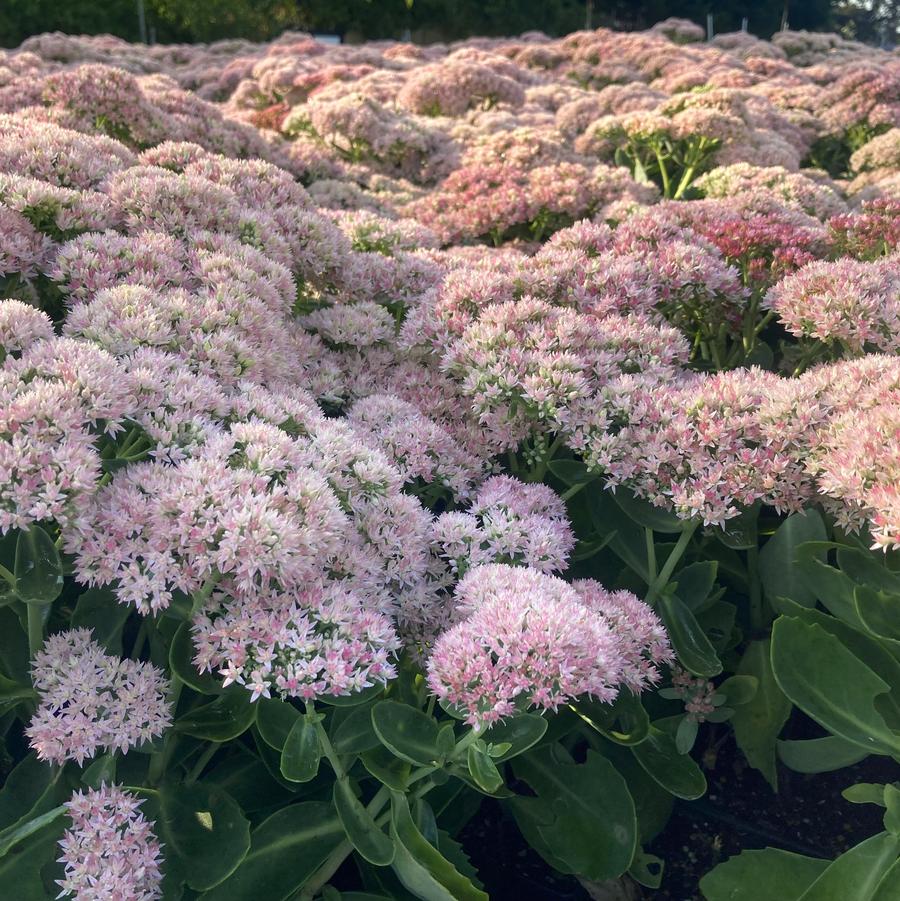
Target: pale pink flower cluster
{"points": [[853, 304], [451, 88], [305, 644], [698, 446], [21, 325], [526, 639], [110, 849], [246, 506], [814, 196], [91, 701], [425, 453], [22, 247], [508, 522], [858, 468], [530, 360]]}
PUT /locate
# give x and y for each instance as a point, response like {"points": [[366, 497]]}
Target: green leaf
{"points": [[285, 850], [879, 612], [31, 789], [101, 772], [865, 793], [582, 819], [625, 721], [646, 869], [740, 533], [778, 569], [274, 720], [892, 813], [483, 770], [20, 831], [351, 700], [420, 866], [675, 772], [521, 732], [572, 472], [868, 569], [355, 733], [99, 610], [768, 875], [371, 843], [302, 752], [386, 767], [758, 722], [888, 889], [831, 685], [21, 868], [204, 832], [453, 851], [646, 515], [245, 777], [833, 588], [13, 692], [693, 649], [38, 567], [739, 689], [695, 582], [855, 875], [820, 755], [686, 735], [865, 647], [181, 654], [221, 720], [628, 543], [406, 732]]}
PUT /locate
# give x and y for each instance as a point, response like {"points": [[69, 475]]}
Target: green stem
{"points": [[36, 627], [756, 600], [660, 582], [139, 640], [160, 759], [571, 492], [651, 553], [202, 760], [685, 182], [202, 596], [8, 576], [664, 173]]}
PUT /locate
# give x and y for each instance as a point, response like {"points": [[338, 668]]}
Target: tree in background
{"points": [[429, 20], [872, 21]]}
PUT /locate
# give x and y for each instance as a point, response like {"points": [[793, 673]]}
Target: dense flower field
{"points": [[384, 427]]}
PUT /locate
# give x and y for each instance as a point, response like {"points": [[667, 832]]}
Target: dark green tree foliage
{"points": [[424, 20]]}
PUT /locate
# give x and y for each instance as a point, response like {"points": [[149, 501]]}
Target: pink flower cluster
{"points": [[90, 700], [302, 645], [526, 639], [508, 522], [110, 850]]}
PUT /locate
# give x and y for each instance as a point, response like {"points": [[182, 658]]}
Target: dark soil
{"points": [[739, 812]]}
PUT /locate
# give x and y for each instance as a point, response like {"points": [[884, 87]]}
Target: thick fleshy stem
{"points": [[756, 599], [651, 553], [202, 760], [37, 615], [160, 759], [660, 582], [8, 576]]}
